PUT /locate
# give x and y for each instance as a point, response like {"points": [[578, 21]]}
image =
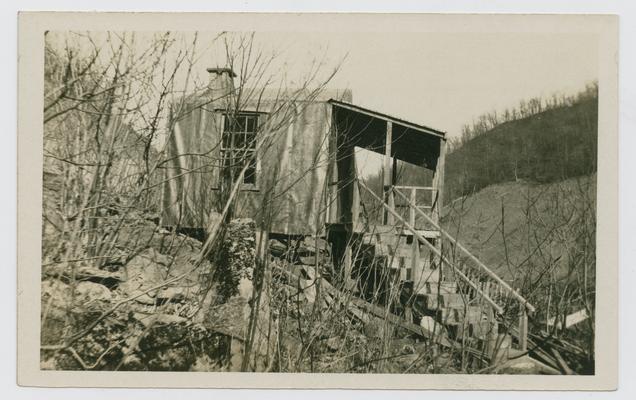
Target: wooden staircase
{"points": [[463, 295], [432, 294]]}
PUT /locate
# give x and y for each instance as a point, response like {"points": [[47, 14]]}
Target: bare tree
{"points": [[111, 102]]}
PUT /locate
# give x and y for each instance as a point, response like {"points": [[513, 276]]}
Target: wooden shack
{"points": [[301, 177], [296, 152]]}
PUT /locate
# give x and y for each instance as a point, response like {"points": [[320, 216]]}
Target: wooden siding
{"points": [[290, 180]]}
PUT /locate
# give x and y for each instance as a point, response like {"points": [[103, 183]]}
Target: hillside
{"points": [[517, 227], [541, 238], [549, 146]]}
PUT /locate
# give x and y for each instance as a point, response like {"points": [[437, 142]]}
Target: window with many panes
{"points": [[239, 145]]}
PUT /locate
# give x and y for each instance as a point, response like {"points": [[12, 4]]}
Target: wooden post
{"points": [[416, 270], [391, 197], [413, 199], [438, 182], [355, 202], [523, 328], [425, 242], [492, 335], [352, 180], [347, 263], [388, 174], [332, 209], [438, 189]]}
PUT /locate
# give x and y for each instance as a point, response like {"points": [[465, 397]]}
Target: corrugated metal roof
{"points": [[387, 117]]}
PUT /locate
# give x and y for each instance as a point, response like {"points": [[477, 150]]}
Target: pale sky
{"points": [[442, 80]]}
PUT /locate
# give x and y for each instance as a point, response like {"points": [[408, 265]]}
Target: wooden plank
{"points": [[335, 294], [388, 118], [562, 364], [400, 322], [422, 232], [408, 187]]}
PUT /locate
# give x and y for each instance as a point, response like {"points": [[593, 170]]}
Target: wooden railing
{"points": [[413, 200], [497, 287]]}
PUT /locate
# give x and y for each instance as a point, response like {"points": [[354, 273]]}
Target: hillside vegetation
{"points": [[521, 195], [516, 227], [548, 146]]}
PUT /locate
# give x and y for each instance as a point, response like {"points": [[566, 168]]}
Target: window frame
{"points": [[225, 123]]}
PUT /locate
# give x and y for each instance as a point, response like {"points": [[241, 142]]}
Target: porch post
{"points": [[438, 182], [416, 270], [332, 206], [352, 180], [438, 187], [523, 328], [388, 174], [355, 199]]}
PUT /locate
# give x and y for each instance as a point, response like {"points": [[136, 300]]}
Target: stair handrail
{"points": [[434, 249], [464, 250]]}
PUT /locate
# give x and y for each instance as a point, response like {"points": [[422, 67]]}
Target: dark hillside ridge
{"points": [[550, 146]]}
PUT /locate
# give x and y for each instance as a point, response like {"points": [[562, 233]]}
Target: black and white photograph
{"points": [[334, 201]]}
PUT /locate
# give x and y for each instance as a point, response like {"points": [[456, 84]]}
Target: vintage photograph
{"points": [[319, 202]]}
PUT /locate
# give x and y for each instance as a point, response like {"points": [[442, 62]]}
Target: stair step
{"points": [[454, 316], [432, 286], [444, 300], [381, 234], [479, 330], [498, 347], [398, 253], [426, 233]]}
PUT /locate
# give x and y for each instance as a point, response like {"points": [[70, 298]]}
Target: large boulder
{"points": [[145, 271], [153, 277], [312, 245], [172, 343], [430, 326], [313, 249], [277, 248], [104, 277], [56, 298], [88, 292]]}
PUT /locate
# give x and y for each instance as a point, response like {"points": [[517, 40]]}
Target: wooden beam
{"points": [[388, 118], [562, 364], [383, 313], [353, 303], [408, 187]]}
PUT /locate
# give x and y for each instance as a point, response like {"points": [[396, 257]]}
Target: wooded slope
{"points": [[550, 146]]}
